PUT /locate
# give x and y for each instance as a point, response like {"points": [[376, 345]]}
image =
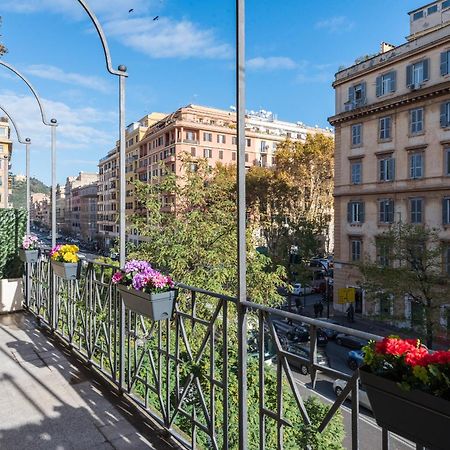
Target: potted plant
{"points": [[65, 261], [409, 389], [29, 252], [145, 290]]}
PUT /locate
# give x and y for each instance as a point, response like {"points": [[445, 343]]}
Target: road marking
{"points": [[367, 420]]}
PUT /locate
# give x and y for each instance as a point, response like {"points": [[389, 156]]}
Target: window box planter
{"points": [[29, 256], [420, 417], [67, 271], [155, 306]]}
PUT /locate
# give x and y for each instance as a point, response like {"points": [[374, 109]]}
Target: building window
{"points": [[355, 249], [221, 139], [207, 137], [386, 211], [445, 114], [234, 140], [447, 260], [386, 169], [220, 154], [357, 95], [415, 206], [418, 15], [233, 156], [446, 211], [207, 153], [356, 172], [193, 151], [447, 161], [385, 84], [264, 146], [249, 142], [246, 157], [417, 73], [416, 165], [384, 128], [432, 9], [356, 134], [355, 212], [383, 252], [190, 136], [416, 121], [446, 4], [445, 57]]}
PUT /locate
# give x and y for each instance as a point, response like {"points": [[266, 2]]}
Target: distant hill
{"points": [[19, 188]]}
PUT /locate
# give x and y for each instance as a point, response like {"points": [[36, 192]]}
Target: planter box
{"points": [[11, 295], [420, 417], [154, 306], [67, 271], [29, 256]]}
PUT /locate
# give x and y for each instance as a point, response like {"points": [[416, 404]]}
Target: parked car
{"points": [[322, 338], [349, 341], [304, 352], [298, 334], [269, 346], [355, 359], [338, 387], [331, 334], [299, 289]]}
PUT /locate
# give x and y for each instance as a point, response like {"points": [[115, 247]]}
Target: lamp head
{"points": [[53, 121], [27, 140], [122, 68]]}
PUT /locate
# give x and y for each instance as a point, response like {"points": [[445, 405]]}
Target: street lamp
{"points": [[27, 143], [53, 124]]}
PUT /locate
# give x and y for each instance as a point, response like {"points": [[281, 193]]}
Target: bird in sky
{"points": [[156, 18], [130, 10]]}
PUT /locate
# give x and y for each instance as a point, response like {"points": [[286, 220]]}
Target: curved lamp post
{"points": [[53, 123], [27, 143]]}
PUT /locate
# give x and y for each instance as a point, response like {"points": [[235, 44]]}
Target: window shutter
{"points": [[378, 88], [382, 169], [351, 94], [409, 75], [444, 63], [426, 69], [391, 211], [393, 81], [391, 168], [361, 212], [363, 92], [349, 212], [445, 218], [444, 115]]}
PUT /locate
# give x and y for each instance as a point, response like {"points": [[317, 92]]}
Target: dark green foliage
{"points": [[18, 196], [12, 230]]}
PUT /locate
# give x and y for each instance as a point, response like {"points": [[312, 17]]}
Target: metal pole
{"points": [[27, 173], [53, 182], [241, 247], [122, 219]]}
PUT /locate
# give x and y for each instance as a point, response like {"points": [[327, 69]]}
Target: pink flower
{"points": [[117, 277]]}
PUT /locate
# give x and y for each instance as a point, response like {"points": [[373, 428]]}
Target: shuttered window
{"points": [[385, 84], [416, 165], [445, 58], [445, 114], [416, 120], [415, 206], [357, 134], [355, 212], [386, 211], [417, 73], [385, 128], [386, 168], [356, 172], [446, 211]]}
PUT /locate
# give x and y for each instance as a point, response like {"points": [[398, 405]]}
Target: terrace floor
{"points": [[48, 400]]}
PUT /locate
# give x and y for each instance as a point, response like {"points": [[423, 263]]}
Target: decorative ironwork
{"points": [[184, 371]]}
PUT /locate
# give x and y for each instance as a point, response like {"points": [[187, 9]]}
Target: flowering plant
{"points": [[30, 242], [141, 276], [65, 253], [410, 364]]}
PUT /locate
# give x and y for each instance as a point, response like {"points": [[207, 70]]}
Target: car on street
{"points": [[298, 334], [303, 352], [355, 359], [339, 385], [322, 338], [301, 289], [331, 334], [349, 341], [253, 346]]}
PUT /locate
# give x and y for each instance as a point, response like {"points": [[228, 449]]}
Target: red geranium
{"points": [[395, 346]]}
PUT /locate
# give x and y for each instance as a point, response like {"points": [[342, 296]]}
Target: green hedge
{"points": [[12, 231]]}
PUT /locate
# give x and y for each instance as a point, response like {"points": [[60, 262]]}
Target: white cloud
{"points": [[336, 24], [315, 73], [55, 73], [271, 63], [167, 38]]}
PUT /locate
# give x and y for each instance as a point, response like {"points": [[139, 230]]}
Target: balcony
{"points": [[181, 374]]}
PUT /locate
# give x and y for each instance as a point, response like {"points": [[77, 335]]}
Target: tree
{"points": [[291, 202], [409, 264], [3, 49]]}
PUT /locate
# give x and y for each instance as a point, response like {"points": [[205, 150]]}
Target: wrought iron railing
{"points": [[183, 372]]}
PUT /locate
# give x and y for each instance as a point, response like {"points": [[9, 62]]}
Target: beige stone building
{"points": [[84, 212], [60, 208], [392, 131], [200, 131], [40, 213], [5, 158]]}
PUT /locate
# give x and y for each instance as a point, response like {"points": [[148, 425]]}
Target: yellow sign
{"points": [[346, 295]]}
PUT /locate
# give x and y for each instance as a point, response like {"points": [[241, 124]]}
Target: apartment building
{"points": [[40, 210], [5, 158], [84, 212], [392, 159], [108, 185], [72, 213], [60, 208]]}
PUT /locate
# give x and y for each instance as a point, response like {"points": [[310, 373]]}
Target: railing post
{"points": [[385, 439], [313, 355], [355, 414], [53, 298]]}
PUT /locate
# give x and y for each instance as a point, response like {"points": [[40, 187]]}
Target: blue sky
{"points": [[294, 47]]}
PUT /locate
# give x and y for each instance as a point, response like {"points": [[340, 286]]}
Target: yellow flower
{"points": [[70, 257]]}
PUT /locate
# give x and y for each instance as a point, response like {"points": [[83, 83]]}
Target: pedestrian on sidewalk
{"points": [[316, 310], [320, 309], [351, 313]]}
